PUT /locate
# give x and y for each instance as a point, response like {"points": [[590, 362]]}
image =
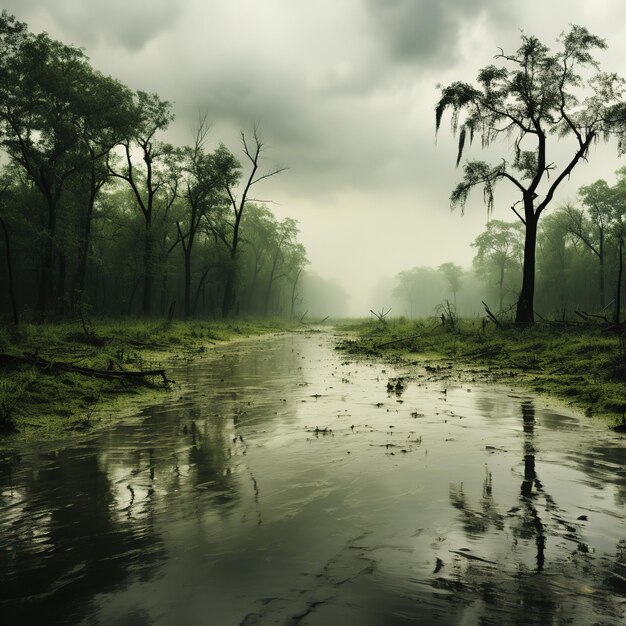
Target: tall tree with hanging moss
{"points": [[534, 98]]}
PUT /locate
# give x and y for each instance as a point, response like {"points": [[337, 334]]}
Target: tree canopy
{"points": [[534, 94]]}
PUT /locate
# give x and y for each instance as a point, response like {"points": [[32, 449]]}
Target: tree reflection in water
{"points": [[85, 520], [531, 522], [66, 541], [508, 590], [164, 512]]}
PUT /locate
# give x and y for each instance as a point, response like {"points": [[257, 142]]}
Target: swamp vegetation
{"points": [[585, 365], [375, 472], [319, 487], [41, 401]]}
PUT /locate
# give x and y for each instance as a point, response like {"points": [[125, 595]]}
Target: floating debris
{"points": [[319, 431]]}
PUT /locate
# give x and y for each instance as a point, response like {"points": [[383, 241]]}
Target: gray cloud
{"points": [[425, 31], [344, 93], [129, 23]]}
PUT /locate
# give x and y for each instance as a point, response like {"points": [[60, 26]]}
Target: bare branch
{"points": [[268, 175]]}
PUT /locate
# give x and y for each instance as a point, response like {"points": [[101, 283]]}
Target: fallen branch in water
{"points": [[33, 359]]}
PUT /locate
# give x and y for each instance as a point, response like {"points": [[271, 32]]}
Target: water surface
{"points": [[286, 483]]}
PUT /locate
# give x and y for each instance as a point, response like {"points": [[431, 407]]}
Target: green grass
{"points": [[39, 405], [583, 365]]}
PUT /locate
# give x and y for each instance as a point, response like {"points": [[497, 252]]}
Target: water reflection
{"points": [[476, 523], [582, 578], [222, 506], [62, 538], [532, 521]]}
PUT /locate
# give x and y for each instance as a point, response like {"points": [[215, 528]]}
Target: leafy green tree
{"points": [[453, 274], [419, 290], [498, 251], [204, 199], [557, 254], [51, 103], [259, 226], [102, 130], [618, 231], [296, 264], [152, 174], [284, 249], [533, 96], [591, 225]]}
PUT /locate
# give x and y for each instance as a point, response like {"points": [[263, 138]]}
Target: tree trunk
{"points": [[293, 293], [602, 279], [60, 306], [46, 279], [16, 320], [83, 253], [501, 286], [618, 295], [147, 271], [129, 306], [525, 304], [200, 289], [187, 305], [268, 290], [228, 301], [230, 288], [187, 254]]}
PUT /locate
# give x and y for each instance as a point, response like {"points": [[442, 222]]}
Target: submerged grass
{"points": [[583, 365], [36, 404]]}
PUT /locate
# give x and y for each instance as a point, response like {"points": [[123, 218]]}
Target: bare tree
{"points": [[253, 151]]}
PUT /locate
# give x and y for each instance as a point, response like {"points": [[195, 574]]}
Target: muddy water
{"points": [[288, 485]]}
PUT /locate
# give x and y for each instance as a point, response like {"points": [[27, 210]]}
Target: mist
{"points": [[344, 97]]}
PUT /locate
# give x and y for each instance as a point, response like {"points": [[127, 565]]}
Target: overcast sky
{"points": [[344, 93]]}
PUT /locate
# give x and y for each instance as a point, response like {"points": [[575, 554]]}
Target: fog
{"points": [[344, 95]]}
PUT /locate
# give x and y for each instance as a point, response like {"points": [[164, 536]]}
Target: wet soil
{"points": [[290, 484]]}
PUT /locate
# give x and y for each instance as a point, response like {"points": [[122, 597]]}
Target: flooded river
{"points": [[290, 484]]}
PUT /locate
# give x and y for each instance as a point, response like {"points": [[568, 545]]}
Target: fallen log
{"points": [[33, 359]]}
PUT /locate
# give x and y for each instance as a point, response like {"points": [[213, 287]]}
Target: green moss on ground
{"points": [[583, 365], [41, 405]]}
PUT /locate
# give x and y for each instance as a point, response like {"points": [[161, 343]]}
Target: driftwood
{"points": [[33, 359]]}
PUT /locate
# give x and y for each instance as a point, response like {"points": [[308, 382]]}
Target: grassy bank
{"points": [[583, 365], [40, 403]]}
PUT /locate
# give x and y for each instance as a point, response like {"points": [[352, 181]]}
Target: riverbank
{"points": [[582, 365], [44, 402]]}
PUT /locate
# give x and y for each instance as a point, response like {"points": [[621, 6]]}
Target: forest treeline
{"points": [[98, 213], [580, 258]]}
